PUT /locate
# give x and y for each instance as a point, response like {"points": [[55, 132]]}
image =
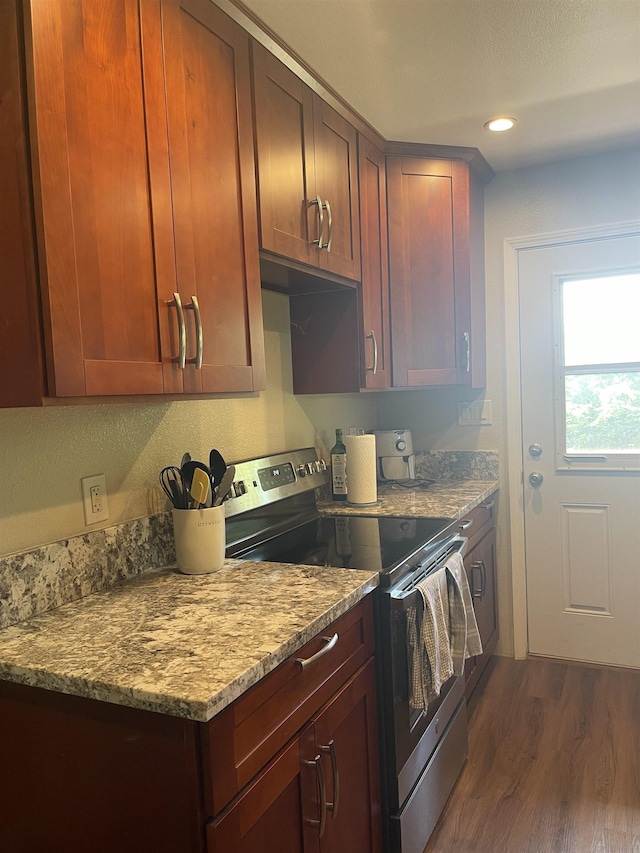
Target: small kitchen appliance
{"points": [[394, 450]]}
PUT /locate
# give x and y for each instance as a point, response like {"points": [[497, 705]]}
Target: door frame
{"points": [[513, 393]]}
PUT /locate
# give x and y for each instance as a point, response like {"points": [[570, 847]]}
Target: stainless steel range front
{"points": [[272, 515]]}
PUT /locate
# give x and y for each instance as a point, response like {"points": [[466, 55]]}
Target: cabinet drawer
{"points": [[240, 740], [476, 522]]}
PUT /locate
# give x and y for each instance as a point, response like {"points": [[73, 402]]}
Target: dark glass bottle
{"points": [[339, 469]]}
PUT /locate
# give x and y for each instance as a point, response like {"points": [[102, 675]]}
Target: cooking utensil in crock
{"points": [[173, 487], [199, 488], [217, 466], [225, 485]]}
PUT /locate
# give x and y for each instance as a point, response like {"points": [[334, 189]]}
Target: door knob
{"points": [[535, 450], [535, 478]]}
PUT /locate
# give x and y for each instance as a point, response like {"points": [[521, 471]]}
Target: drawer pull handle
{"points": [[467, 522], [487, 505], [330, 643], [331, 751], [319, 824]]}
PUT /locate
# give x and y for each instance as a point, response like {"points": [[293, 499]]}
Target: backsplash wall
{"points": [[45, 452]]}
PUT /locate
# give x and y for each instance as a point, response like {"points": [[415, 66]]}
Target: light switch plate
{"points": [[94, 499], [475, 414]]}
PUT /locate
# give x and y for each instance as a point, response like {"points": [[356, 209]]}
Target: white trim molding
{"points": [[513, 394]]}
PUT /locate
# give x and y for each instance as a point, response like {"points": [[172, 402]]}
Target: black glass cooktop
{"points": [[358, 542]]}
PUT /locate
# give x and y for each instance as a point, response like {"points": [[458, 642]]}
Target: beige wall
{"points": [[45, 452]]}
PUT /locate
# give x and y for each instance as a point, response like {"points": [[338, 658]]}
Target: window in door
{"points": [[598, 372]]}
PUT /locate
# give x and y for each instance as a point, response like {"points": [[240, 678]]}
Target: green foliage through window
{"points": [[603, 413]]}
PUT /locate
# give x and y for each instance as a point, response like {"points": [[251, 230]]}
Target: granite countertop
{"points": [[189, 645], [179, 644], [442, 499]]}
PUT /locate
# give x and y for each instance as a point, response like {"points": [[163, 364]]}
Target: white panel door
{"points": [[580, 375]]}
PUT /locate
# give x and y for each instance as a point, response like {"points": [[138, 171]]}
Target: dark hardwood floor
{"points": [[553, 765]]}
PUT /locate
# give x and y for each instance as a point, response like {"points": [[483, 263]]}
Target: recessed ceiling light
{"points": [[500, 123]]}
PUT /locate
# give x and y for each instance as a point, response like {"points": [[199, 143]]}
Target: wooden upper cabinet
{"points": [[143, 186], [307, 172], [92, 204], [376, 367], [430, 269], [205, 57]]}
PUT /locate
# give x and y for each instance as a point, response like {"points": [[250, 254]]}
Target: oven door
{"points": [[409, 735]]}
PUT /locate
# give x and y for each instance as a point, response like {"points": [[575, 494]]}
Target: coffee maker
{"points": [[395, 457]]}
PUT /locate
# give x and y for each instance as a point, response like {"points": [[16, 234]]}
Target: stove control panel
{"points": [[272, 478]]}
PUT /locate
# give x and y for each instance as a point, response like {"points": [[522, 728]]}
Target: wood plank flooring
{"points": [[553, 765]]}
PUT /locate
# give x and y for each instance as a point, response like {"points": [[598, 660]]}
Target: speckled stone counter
{"points": [[442, 499], [180, 645]]}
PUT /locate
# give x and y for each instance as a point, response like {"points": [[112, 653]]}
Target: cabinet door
{"points": [[480, 564], [283, 105], [337, 184], [346, 740], [210, 135], [376, 371], [268, 816], [93, 214], [429, 271]]}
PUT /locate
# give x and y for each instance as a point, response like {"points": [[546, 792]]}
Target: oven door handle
{"points": [[330, 643], [403, 599]]}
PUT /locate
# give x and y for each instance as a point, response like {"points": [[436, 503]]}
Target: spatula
{"points": [[217, 466], [200, 487]]}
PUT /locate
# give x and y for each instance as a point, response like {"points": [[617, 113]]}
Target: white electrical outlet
{"points": [[94, 499]]}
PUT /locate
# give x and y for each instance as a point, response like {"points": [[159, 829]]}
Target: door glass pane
{"points": [[601, 320], [603, 413]]}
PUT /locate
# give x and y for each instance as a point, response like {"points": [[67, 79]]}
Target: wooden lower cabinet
{"points": [[480, 565], [321, 792], [291, 765]]}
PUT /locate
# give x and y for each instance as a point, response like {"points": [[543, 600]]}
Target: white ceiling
{"points": [[436, 70]]}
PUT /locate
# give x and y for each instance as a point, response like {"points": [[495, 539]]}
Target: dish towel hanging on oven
{"points": [[463, 628], [428, 645]]}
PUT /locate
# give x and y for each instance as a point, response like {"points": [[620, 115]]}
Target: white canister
{"points": [[200, 539]]}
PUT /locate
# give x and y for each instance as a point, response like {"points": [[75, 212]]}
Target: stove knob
{"points": [[322, 465], [239, 488], [301, 470], [309, 467], [401, 444]]}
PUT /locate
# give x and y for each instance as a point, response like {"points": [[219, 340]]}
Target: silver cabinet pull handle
{"points": [[330, 750], [483, 578], [320, 824], [467, 350], [374, 369], [181, 360], [330, 643], [476, 593], [328, 208], [467, 522], [320, 241], [489, 505], [195, 307]]}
